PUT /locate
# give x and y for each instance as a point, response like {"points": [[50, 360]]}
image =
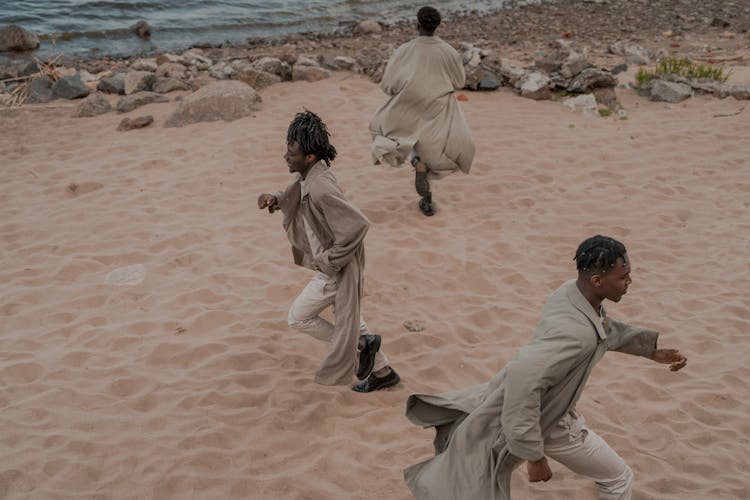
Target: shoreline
{"points": [[691, 28]]}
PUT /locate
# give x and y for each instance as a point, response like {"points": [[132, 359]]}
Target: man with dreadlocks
{"points": [[422, 122], [327, 235], [527, 412]]}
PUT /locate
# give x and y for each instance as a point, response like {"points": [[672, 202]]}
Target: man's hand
{"points": [[671, 357], [539, 470], [266, 200]]}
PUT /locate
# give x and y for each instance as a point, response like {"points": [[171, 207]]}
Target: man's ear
{"points": [[595, 280], [311, 159]]}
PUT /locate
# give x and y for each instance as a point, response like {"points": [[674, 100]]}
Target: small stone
{"points": [[128, 275], [134, 123]]}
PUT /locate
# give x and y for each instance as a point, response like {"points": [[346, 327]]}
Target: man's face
{"points": [[296, 160], [614, 283]]}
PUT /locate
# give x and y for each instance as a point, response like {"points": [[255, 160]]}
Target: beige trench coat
{"points": [[341, 229], [484, 432], [422, 112]]}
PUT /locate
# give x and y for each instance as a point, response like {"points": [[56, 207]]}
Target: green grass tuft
{"points": [[681, 67]]}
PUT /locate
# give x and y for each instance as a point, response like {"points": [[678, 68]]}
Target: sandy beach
{"points": [[179, 377]]}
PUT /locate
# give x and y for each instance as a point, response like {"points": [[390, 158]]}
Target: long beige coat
{"points": [[422, 112], [483, 432], [340, 228]]}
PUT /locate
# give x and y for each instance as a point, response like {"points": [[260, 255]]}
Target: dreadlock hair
{"points": [[309, 132], [428, 18], [598, 254]]}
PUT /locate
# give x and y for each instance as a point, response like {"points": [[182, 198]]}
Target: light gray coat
{"points": [[484, 432], [340, 227]]}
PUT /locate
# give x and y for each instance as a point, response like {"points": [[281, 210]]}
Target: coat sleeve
{"points": [[283, 200], [456, 69], [631, 339], [348, 226], [393, 81], [539, 366]]}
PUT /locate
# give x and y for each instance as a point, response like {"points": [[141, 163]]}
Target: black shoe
{"points": [[374, 383], [367, 356], [425, 205], [421, 184]]}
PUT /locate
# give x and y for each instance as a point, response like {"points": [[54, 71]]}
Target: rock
{"points": [[606, 96], [620, 68], [670, 91], [227, 100], [547, 62], [141, 29], [473, 77], [87, 77], [573, 65], [717, 22], [93, 105], [591, 78], [257, 79], [309, 73], [586, 102], [134, 123], [169, 58], [133, 101], [138, 81], [345, 63], [269, 65], [535, 85], [128, 275], [16, 39], [28, 68], [166, 85], [307, 60], [633, 54], [171, 70], [197, 59], [8, 72], [112, 85], [70, 87], [202, 80], [740, 91], [144, 65], [489, 81], [40, 90], [368, 27], [511, 72], [222, 71]]}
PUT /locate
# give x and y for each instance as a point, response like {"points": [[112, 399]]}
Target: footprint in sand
{"points": [[128, 275], [76, 189]]}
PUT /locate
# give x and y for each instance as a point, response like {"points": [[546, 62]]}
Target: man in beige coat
{"points": [[422, 122], [327, 235], [527, 411]]}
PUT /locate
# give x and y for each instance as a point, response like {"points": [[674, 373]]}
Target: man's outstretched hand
{"points": [[266, 200], [539, 470], [671, 357]]}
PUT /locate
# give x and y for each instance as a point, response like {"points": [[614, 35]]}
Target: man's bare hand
{"points": [[671, 357], [266, 200], [539, 470]]}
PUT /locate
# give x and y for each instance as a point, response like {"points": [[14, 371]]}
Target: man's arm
{"points": [[639, 341], [276, 200], [348, 226]]}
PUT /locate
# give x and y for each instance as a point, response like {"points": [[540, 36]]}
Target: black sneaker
{"points": [[425, 205]]}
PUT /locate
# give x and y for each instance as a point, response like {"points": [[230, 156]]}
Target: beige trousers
{"points": [[584, 452], [304, 313]]}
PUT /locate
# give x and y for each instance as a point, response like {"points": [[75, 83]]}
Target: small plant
{"points": [[605, 112], [680, 67]]}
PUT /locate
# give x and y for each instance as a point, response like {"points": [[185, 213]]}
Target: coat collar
{"points": [[315, 171], [579, 301]]}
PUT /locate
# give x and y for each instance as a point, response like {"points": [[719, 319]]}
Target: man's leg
{"points": [[421, 183], [583, 451], [381, 360], [304, 312]]}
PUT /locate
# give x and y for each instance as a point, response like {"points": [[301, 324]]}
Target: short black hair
{"points": [[428, 18], [309, 132], [598, 254]]}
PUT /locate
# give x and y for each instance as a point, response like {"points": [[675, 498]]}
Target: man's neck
{"points": [[589, 295]]}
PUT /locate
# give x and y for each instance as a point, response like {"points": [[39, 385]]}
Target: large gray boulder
{"points": [[166, 85], [94, 104], [70, 87], [133, 101], [112, 85], [222, 100], [257, 79], [16, 39], [40, 90], [670, 91]]}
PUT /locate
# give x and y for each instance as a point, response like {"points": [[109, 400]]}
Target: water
{"points": [[98, 27]]}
